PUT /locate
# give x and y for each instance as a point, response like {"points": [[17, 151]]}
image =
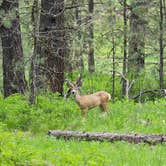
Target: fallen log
{"points": [[151, 139]]}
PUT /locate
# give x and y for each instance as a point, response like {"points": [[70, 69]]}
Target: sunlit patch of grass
{"points": [[21, 149]]}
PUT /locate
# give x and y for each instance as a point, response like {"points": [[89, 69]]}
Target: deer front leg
{"points": [[84, 113], [104, 107], [101, 108]]}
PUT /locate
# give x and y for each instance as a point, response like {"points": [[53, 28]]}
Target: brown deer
{"points": [[87, 102]]}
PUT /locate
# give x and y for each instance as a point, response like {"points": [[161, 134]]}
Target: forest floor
{"points": [[24, 128]]}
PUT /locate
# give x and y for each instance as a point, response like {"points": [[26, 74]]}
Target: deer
{"points": [[86, 102]]}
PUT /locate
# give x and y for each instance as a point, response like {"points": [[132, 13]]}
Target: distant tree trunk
{"points": [[161, 74], [78, 19], [13, 67], [40, 49], [91, 61], [164, 9], [33, 81], [51, 44], [113, 68], [125, 48], [136, 57]]}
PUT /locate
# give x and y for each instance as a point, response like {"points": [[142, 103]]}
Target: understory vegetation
{"points": [[24, 127], [95, 45], [21, 149]]}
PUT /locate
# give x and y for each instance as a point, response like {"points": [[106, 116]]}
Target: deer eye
{"points": [[73, 91]]}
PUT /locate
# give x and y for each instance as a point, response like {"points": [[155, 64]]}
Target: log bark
{"points": [[161, 92], [151, 139]]}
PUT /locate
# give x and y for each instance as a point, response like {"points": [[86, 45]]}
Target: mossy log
{"points": [[106, 136]]}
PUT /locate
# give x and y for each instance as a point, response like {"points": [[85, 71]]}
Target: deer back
{"points": [[92, 100]]}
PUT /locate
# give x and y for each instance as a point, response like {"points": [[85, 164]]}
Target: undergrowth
{"points": [[22, 149], [24, 127], [53, 112]]}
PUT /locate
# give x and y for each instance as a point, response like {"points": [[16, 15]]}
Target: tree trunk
{"points": [[51, 45], [78, 20], [161, 74], [13, 67], [104, 136], [164, 9], [136, 57], [33, 79], [91, 61], [113, 68], [125, 49]]}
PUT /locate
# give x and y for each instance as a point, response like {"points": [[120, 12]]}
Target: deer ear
{"points": [[69, 84], [79, 81]]}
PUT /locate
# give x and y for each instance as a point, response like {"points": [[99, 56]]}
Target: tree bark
{"points": [[78, 21], [113, 67], [125, 49], [136, 57], [52, 45], [91, 61], [13, 67], [161, 73], [164, 9], [104, 136], [33, 79]]}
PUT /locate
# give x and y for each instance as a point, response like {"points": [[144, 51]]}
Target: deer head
{"points": [[73, 88], [86, 102]]}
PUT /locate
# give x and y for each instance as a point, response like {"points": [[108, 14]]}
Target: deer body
{"points": [[86, 102], [92, 100]]}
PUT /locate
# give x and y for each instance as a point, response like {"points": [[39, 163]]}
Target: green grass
{"points": [[21, 149], [53, 112], [24, 140]]}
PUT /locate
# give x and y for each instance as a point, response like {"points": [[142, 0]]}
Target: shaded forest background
{"points": [[118, 46]]}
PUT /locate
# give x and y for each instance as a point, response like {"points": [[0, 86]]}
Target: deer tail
{"points": [[109, 96]]}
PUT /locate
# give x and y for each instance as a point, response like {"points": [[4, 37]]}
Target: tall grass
{"points": [[22, 149], [54, 112], [24, 127]]}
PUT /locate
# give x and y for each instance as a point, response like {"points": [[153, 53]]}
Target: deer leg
{"points": [[104, 107], [84, 113]]}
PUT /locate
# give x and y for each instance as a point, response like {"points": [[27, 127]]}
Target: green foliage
{"points": [[61, 152], [23, 128], [31, 147], [22, 149], [11, 153], [53, 112], [146, 80]]}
